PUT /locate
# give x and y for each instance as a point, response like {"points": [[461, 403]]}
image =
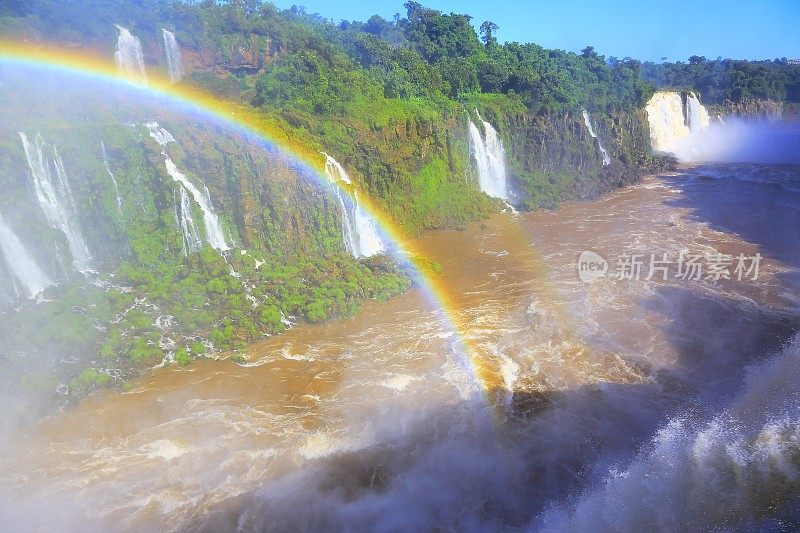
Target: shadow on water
{"points": [[446, 468], [451, 469], [760, 203], [717, 338]]}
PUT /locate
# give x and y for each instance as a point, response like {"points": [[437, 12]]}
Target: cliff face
{"points": [[263, 200], [246, 55], [96, 172], [750, 108], [562, 142], [555, 157], [422, 170], [159, 291]]}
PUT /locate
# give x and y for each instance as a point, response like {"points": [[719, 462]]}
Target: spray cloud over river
{"points": [[680, 125]]}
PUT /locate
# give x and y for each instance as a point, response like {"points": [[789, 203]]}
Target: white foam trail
{"points": [[55, 198], [129, 57], [588, 121], [359, 230], [173, 53], [733, 469], [490, 159], [23, 266]]}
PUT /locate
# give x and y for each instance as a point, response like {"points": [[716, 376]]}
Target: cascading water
{"points": [[588, 121], [55, 198], [111, 175], [191, 237], [159, 134], [359, 231], [173, 53], [129, 57], [673, 117], [214, 234], [30, 279], [490, 159], [696, 115]]}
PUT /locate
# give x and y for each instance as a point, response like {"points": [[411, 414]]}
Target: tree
{"points": [[413, 8], [488, 28], [588, 52]]}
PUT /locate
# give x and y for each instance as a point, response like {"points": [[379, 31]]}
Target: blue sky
{"points": [[646, 30]]}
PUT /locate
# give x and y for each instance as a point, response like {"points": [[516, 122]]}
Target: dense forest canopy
{"points": [[425, 54], [723, 80]]}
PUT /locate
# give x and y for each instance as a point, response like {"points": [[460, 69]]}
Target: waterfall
{"points": [[696, 115], [173, 52], [359, 230], [55, 198], [214, 234], [111, 175], [191, 237], [588, 121], [159, 134], [490, 159], [29, 276], [673, 117], [129, 57]]}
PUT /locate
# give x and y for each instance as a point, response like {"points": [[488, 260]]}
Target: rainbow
{"points": [[254, 123]]}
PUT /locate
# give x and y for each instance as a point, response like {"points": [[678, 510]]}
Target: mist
{"points": [[738, 140]]}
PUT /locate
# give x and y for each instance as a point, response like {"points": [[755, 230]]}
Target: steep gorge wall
{"points": [[554, 157], [551, 158], [750, 108], [144, 297], [265, 201]]}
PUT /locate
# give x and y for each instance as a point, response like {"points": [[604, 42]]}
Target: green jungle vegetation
{"points": [[720, 80]]}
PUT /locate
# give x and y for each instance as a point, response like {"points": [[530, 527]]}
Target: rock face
{"points": [[750, 108], [550, 158], [233, 57], [555, 157]]}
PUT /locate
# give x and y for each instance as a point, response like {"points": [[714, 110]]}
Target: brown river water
{"points": [[375, 423]]}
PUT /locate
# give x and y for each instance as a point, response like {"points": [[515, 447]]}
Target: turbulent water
{"points": [[54, 196], [587, 120], [129, 57], [173, 53], [619, 404], [489, 156], [359, 230]]}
